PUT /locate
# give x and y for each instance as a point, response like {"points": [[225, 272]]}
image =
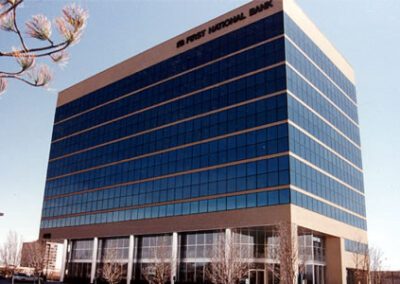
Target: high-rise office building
{"points": [[242, 123]]}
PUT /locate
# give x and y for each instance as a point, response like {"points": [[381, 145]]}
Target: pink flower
{"points": [[72, 23], [39, 27], [41, 75], [3, 85], [7, 22], [60, 57], [26, 61], [75, 16]]}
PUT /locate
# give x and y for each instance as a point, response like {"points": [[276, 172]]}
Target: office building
{"points": [[245, 122]]}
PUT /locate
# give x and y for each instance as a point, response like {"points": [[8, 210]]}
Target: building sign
{"points": [[225, 23]]}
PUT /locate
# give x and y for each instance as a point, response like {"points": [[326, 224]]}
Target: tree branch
{"points": [[29, 51], [23, 80], [52, 52], [70, 25], [18, 31], [4, 73], [14, 6], [50, 41]]}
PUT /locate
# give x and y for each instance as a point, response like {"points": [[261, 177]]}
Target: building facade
{"points": [[245, 122], [43, 256]]}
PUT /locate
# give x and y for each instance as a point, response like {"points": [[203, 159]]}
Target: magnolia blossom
{"points": [[26, 62], [41, 75], [39, 27], [76, 16], [72, 23], [3, 85], [60, 57], [7, 22]]}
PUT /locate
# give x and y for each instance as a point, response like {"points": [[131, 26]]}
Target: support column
{"points": [[174, 257], [228, 240], [228, 243], [94, 260], [335, 267], [130, 258], [64, 260], [228, 248]]}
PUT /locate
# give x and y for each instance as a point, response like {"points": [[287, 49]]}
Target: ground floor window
{"points": [[195, 255], [152, 258], [78, 273]]}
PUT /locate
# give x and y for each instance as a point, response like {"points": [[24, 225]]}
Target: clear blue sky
{"points": [[365, 31]]}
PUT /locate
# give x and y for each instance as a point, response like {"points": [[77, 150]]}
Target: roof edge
{"points": [[306, 24]]}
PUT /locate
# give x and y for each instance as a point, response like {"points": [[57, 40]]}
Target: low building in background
{"points": [[386, 277], [225, 132], [43, 258]]}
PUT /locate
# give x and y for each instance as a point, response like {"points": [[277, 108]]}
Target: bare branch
{"points": [[368, 263], [34, 256], [31, 83], [376, 265], [18, 31], [228, 262], [159, 272], [31, 51], [112, 270], [361, 263], [285, 253], [10, 251]]}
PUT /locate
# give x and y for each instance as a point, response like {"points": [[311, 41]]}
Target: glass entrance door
{"points": [[257, 276]]}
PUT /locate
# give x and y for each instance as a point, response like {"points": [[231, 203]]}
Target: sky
{"points": [[366, 32]]}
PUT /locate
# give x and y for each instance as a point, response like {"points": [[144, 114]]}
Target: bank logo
{"points": [[226, 23], [180, 43]]}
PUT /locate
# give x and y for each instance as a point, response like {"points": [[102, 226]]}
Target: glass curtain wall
{"points": [[195, 253], [312, 261], [256, 246], [79, 260], [152, 253], [112, 255], [259, 247]]}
